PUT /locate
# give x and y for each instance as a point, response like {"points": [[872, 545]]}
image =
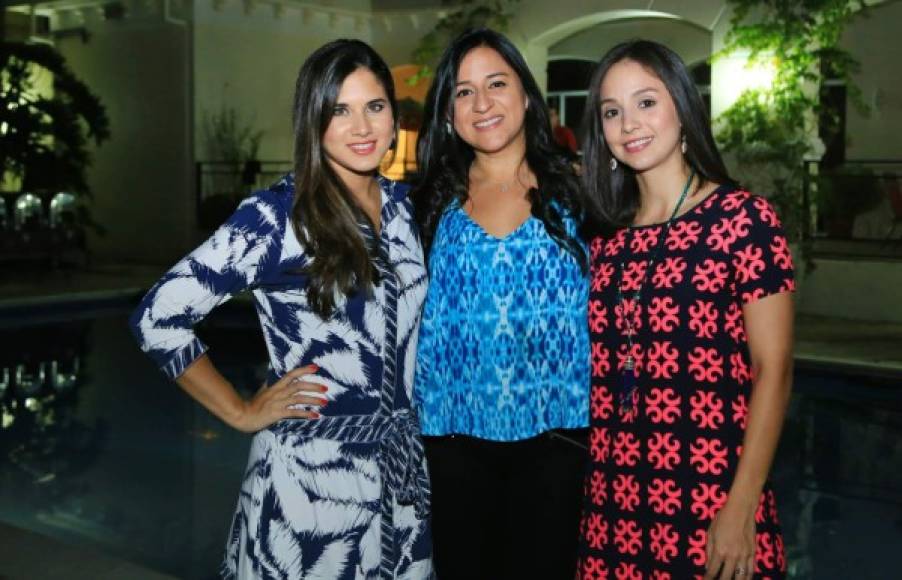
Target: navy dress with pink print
{"points": [[661, 467]]}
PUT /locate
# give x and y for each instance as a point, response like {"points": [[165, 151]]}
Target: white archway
{"points": [[565, 29], [535, 27]]}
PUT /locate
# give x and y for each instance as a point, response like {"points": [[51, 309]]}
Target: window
{"points": [[568, 81]]}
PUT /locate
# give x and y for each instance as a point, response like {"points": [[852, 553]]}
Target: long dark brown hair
{"points": [[325, 216], [614, 195], [444, 158]]}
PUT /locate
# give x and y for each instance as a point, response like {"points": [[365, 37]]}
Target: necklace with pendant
{"points": [[502, 186], [628, 391]]}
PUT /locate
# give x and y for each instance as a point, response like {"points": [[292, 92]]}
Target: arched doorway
{"points": [[568, 80]]}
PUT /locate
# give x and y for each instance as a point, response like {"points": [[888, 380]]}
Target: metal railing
{"points": [[859, 200], [221, 185], [41, 226]]}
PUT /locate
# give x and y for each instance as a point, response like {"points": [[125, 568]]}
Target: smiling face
{"points": [[489, 102], [640, 122], [362, 126]]}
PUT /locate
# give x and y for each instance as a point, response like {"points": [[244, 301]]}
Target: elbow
{"points": [[776, 374], [139, 321], [134, 321]]}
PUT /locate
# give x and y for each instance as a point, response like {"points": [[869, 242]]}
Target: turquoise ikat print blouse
{"points": [[504, 340]]}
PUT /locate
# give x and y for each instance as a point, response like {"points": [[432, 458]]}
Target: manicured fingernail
{"points": [[315, 416], [323, 389], [315, 367]]}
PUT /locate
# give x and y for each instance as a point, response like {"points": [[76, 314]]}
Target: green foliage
{"points": [[45, 139], [495, 14], [773, 127], [799, 35], [765, 130], [230, 137]]}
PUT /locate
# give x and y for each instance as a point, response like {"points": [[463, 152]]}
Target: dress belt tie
{"points": [[401, 462]]}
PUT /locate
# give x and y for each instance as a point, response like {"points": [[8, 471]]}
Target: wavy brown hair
{"points": [[614, 195], [444, 158], [324, 215]]}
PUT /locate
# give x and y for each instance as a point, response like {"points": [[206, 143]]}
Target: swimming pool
{"points": [[123, 461]]}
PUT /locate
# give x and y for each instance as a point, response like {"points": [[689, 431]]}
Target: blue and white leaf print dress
{"points": [[340, 497]]}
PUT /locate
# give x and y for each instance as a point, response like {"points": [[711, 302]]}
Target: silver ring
{"points": [[739, 571]]}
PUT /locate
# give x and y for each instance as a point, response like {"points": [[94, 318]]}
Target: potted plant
{"points": [[45, 136], [773, 130], [232, 145]]}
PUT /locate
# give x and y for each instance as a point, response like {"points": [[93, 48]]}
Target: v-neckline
{"points": [[488, 234]]}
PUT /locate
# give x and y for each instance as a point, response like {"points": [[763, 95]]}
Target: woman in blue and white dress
{"points": [[335, 485]]}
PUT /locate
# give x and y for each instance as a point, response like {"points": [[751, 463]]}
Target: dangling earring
{"points": [[613, 164], [449, 128], [683, 145]]}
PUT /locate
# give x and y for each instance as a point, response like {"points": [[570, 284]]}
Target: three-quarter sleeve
{"points": [[238, 255], [761, 257]]}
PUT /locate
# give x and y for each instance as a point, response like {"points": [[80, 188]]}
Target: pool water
{"points": [[119, 459], [124, 461]]}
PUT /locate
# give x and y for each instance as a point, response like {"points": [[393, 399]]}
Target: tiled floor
{"points": [[872, 346], [25, 555], [35, 283], [124, 476]]}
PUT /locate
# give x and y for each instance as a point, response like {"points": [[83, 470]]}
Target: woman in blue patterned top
{"points": [[502, 380], [336, 482]]}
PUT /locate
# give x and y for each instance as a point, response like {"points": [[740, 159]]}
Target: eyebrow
{"points": [[370, 102], [491, 76], [639, 92]]}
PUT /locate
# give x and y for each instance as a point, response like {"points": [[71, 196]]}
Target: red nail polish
{"points": [[315, 416], [315, 367], [323, 389]]}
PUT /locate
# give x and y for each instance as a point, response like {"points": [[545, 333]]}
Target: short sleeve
{"points": [[235, 257], [761, 258]]}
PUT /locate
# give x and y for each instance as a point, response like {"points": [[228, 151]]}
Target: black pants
{"points": [[506, 510]]}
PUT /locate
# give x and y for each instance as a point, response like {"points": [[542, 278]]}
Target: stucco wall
{"points": [[141, 177], [396, 34], [874, 41], [692, 43], [855, 289], [250, 62]]}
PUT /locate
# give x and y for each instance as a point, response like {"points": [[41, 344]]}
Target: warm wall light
{"points": [[404, 162], [410, 99], [733, 74]]}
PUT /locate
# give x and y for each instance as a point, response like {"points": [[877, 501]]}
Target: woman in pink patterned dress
{"points": [[691, 327]]}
